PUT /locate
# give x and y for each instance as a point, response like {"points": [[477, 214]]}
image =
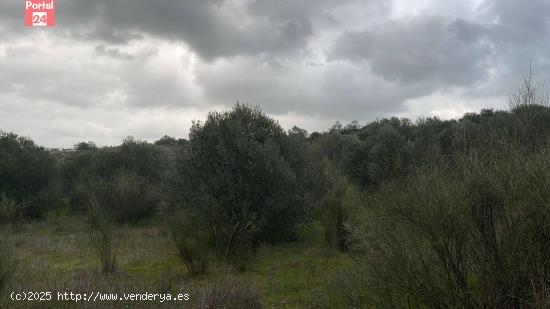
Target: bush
{"points": [[337, 208], [529, 102], [126, 196], [126, 179], [10, 212], [231, 293], [58, 215], [470, 236], [191, 238], [102, 235], [132, 198]]}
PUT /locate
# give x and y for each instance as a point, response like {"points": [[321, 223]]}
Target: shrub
{"points": [[102, 235], [10, 212], [230, 293], [127, 196], [529, 102], [126, 179], [467, 236], [337, 208], [58, 215], [131, 197], [191, 237]]}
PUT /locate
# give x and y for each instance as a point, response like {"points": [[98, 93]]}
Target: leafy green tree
{"points": [[255, 181], [26, 170]]}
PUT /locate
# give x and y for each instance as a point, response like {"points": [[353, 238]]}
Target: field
{"points": [[58, 257]]}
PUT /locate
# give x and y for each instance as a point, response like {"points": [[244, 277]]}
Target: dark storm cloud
{"points": [[213, 28], [210, 27]]}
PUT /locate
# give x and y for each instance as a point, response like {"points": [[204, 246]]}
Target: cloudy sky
{"points": [[113, 68]]}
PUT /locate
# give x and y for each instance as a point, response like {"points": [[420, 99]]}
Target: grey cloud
{"points": [[112, 52], [89, 76], [349, 91], [420, 48], [520, 33], [213, 28], [521, 20], [207, 26]]}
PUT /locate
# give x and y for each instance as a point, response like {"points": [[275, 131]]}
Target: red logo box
{"points": [[39, 13]]}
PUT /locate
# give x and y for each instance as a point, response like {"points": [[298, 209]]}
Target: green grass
{"points": [[55, 259]]}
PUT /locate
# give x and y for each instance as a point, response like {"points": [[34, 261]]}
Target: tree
{"points": [[255, 181], [25, 171], [336, 127], [384, 154], [298, 131], [527, 93], [354, 126], [85, 146], [529, 102]]}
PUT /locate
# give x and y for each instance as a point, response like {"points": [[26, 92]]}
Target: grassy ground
{"points": [[57, 256]]}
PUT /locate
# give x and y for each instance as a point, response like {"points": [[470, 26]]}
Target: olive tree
{"points": [[253, 180]]}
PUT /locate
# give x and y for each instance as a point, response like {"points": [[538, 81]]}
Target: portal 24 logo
{"points": [[39, 13]]}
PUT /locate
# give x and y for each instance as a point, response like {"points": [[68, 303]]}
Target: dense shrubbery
{"points": [[127, 179], [473, 235], [26, 171], [393, 148]]}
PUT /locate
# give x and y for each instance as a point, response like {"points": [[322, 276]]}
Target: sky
{"points": [[114, 68]]}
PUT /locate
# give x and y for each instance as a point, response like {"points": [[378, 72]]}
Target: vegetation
{"points": [[102, 235], [10, 213], [26, 172], [127, 179], [191, 237], [473, 238], [232, 294], [251, 180], [427, 214], [338, 208], [7, 263]]}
